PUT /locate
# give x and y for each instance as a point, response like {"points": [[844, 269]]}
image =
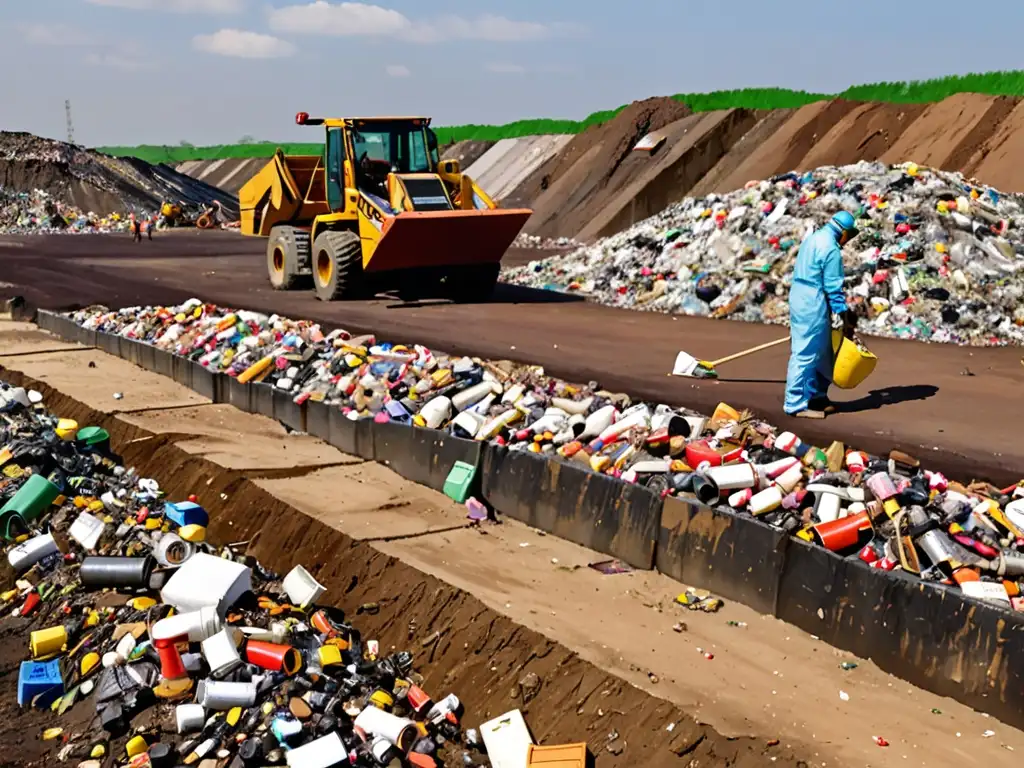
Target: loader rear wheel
{"points": [[473, 283], [287, 253], [338, 266]]}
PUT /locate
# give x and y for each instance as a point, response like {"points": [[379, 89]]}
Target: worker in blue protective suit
{"points": [[817, 305]]}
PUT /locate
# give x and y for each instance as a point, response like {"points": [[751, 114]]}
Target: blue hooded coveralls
{"points": [[816, 293]]}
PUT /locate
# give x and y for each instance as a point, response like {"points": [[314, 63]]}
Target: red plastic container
{"points": [[843, 533], [274, 657]]}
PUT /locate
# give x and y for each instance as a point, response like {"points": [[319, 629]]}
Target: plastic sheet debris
{"points": [[938, 258]]}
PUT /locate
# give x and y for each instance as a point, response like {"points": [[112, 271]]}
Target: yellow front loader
{"points": [[379, 210]]}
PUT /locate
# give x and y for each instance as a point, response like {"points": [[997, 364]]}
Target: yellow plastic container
{"points": [[558, 756], [44, 642], [853, 364]]}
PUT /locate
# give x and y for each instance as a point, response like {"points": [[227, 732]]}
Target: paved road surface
{"points": [[957, 408]]}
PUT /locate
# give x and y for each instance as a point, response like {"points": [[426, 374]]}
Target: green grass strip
{"points": [[1010, 83]]}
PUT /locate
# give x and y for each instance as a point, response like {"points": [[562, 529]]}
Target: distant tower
{"points": [[71, 126]]}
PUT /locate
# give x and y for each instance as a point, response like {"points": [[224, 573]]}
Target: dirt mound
{"points": [[466, 152], [587, 163], [96, 182], [595, 185]]}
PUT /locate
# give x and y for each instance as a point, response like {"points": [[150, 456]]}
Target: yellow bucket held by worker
{"points": [[853, 362]]}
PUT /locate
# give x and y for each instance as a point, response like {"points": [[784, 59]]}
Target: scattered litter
{"points": [[938, 258], [695, 601], [611, 567]]}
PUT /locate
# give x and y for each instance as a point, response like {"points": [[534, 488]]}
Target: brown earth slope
{"points": [[596, 185]]}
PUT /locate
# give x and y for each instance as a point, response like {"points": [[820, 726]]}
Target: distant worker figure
{"points": [[817, 305], [136, 229]]}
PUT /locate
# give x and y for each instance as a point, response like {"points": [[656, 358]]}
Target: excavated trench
{"points": [[460, 644]]}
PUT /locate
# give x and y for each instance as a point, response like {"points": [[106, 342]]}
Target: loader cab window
{"points": [[432, 146], [383, 148], [335, 161]]}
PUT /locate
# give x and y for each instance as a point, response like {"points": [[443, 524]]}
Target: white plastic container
{"points": [[732, 477], [302, 588], [740, 499], [197, 626], [30, 552], [597, 422], [399, 731], [172, 550], [773, 469], [827, 507], [204, 581], [574, 407], [221, 651], [86, 530], [467, 397], [324, 752], [221, 696], [469, 422], [436, 411], [766, 501], [787, 480], [641, 417], [190, 717], [787, 442]]}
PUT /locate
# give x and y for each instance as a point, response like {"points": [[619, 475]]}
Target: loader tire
{"points": [[338, 266], [472, 284], [287, 252]]}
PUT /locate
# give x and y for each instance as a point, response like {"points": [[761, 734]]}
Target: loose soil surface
{"points": [[484, 609], [947, 404]]}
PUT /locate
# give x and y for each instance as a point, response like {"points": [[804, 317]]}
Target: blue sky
{"points": [[211, 71]]}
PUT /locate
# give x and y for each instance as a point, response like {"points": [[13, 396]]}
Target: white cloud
{"points": [[243, 45], [339, 19], [504, 68], [353, 19], [397, 70], [63, 35], [176, 6]]}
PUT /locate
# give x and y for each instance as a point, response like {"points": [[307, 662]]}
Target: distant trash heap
{"points": [[23, 213], [938, 257]]}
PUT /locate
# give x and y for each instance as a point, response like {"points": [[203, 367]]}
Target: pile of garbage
{"points": [[890, 511], [938, 258], [538, 243], [37, 212], [129, 611], [86, 179]]}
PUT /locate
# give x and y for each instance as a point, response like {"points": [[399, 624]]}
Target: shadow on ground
{"points": [[878, 398]]}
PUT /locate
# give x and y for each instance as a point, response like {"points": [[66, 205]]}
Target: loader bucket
{"points": [[445, 238]]}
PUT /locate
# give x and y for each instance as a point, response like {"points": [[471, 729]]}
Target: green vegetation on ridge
{"points": [[1010, 83]]}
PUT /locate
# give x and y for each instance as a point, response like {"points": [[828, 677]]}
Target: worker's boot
{"points": [[822, 404], [808, 413]]}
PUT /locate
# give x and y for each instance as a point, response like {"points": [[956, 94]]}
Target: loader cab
{"points": [[380, 147]]}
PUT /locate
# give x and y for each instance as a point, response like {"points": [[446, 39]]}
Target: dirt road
{"points": [[954, 407]]}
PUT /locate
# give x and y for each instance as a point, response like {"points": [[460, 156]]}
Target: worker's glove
{"points": [[845, 322]]}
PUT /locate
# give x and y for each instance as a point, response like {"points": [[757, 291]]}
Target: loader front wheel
{"points": [[338, 266], [287, 251], [473, 283]]}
